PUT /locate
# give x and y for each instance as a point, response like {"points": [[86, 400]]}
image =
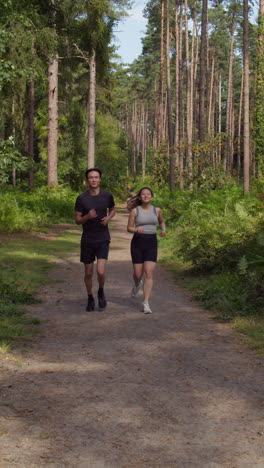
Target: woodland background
{"points": [[186, 117]]}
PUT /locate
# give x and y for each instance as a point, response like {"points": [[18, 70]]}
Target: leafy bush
{"points": [[23, 211]]}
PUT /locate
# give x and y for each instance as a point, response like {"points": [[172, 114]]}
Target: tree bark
{"points": [[260, 94], [169, 111], [31, 98], [246, 99], [228, 158], [203, 72], [161, 85], [91, 111], [53, 122]]}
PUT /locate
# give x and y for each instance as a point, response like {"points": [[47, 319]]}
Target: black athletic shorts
{"points": [[144, 248], [90, 251]]}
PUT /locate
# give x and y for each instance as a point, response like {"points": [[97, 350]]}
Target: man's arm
{"points": [[81, 219], [111, 214]]}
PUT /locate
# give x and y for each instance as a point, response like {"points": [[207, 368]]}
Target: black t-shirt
{"points": [[93, 231]]}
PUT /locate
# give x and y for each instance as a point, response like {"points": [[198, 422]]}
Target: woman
{"points": [[142, 221]]}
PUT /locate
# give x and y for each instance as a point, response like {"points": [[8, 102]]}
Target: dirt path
{"points": [[118, 389]]}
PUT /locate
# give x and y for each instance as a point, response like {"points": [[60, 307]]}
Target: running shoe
{"points": [[136, 288], [145, 308], [101, 299], [90, 304]]}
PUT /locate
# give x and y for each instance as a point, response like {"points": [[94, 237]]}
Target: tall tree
{"points": [[260, 93], [202, 79], [246, 98], [169, 106]]}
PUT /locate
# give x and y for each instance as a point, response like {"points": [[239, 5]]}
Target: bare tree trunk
{"points": [[31, 99], [260, 94], [53, 122], [144, 141], [161, 84], [246, 99], [176, 36], [203, 72], [210, 109], [189, 112], [219, 117], [228, 156], [239, 129], [91, 111], [180, 101], [169, 111], [134, 139]]}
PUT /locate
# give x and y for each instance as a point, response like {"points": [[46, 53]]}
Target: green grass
{"points": [[25, 262], [223, 296], [253, 329]]}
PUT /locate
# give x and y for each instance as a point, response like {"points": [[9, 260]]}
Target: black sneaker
{"points": [[101, 299], [90, 304]]}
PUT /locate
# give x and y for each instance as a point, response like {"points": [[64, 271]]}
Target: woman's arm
{"points": [[161, 223], [131, 221]]}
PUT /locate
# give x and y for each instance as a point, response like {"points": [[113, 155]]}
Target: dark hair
{"points": [[135, 201], [93, 169]]}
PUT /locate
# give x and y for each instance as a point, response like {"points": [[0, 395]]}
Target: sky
{"points": [[129, 32]]}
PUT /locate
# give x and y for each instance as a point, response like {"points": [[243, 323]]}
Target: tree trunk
{"points": [[161, 85], [210, 109], [203, 72], [180, 103], [169, 111], [228, 158], [260, 94], [31, 99], [246, 99], [53, 122], [189, 111], [91, 111], [176, 37], [239, 126]]}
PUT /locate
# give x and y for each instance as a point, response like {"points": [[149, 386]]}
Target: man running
{"points": [[94, 209]]}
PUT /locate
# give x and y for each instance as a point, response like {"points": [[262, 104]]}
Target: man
{"points": [[94, 209]]}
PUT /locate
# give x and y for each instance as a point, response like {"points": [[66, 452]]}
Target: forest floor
{"points": [[120, 389]]}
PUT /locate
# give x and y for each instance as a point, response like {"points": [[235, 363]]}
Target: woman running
{"points": [[142, 221]]}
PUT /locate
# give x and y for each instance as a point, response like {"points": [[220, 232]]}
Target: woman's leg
{"points": [[148, 269], [138, 272]]}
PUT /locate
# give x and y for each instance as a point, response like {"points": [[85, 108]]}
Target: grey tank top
{"points": [[147, 219]]}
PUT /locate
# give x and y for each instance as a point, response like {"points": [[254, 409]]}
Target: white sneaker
{"points": [[145, 308], [135, 288]]}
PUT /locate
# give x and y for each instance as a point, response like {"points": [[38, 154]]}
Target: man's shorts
{"points": [[144, 248], [89, 251]]}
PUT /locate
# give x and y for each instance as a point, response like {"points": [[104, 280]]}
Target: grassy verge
{"points": [[25, 262], [220, 294]]}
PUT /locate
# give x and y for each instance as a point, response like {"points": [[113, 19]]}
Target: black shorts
{"points": [[89, 251], [144, 248]]}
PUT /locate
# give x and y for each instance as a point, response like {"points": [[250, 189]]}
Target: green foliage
{"points": [[220, 233], [10, 159], [111, 154], [23, 211]]}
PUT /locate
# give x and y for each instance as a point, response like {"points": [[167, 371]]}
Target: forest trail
{"points": [[120, 389]]}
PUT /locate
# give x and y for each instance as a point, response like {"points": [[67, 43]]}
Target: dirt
{"points": [[120, 389]]}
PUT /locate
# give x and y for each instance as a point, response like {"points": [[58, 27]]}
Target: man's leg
{"points": [[88, 280], [88, 277], [101, 268]]}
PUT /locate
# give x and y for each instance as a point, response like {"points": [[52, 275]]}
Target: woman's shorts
{"points": [[90, 251], [144, 248]]}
